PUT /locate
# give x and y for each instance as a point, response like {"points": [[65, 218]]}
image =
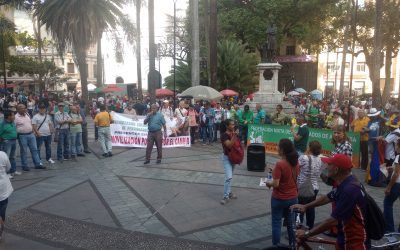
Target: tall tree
{"points": [[213, 38], [152, 76], [195, 43], [7, 39], [78, 24], [138, 4]]}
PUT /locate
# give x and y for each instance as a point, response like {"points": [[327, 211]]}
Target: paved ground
{"points": [[117, 203]]}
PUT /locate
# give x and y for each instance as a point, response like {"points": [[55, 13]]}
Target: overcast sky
{"points": [[127, 70]]}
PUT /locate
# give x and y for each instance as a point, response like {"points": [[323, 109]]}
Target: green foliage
{"points": [[32, 67], [183, 77], [236, 67], [78, 24], [307, 20]]}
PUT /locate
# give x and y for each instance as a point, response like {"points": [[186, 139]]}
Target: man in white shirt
{"points": [[43, 128], [26, 138], [167, 111]]}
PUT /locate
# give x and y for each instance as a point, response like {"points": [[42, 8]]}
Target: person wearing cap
{"points": [[103, 121], [26, 138], [43, 127], [167, 111], [375, 130], [348, 214], [389, 141], [62, 120], [358, 126]]}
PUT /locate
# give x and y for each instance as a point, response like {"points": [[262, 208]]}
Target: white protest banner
{"points": [[129, 132]]}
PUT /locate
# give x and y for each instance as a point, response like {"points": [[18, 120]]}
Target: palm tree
{"points": [[78, 24], [7, 36]]}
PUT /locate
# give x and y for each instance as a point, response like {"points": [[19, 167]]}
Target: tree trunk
{"points": [[83, 71], [138, 51], [376, 88], [99, 75], [388, 71], [206, 21], [213, 43], [42, 86], [152, 77], [196, 45], [344, 54]]}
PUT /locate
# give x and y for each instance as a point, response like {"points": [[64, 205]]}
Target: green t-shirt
{"points": [[247, 116], [77, 128], [313, 112], [259, 116], [301, 145], [8, 131]]}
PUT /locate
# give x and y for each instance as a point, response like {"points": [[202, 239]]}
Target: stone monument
{"points": [[268, 95]]}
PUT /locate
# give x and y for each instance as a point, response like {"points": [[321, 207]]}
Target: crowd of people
{"points": [[31, 121]]}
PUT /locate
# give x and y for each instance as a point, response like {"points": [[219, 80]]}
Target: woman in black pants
{"points": [[310, 170]]}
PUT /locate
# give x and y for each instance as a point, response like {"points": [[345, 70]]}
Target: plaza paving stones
{"points": [[86, 203], [118, 203], [21, 183], [196, 206]]}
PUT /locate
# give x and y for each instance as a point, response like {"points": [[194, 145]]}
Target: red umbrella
{"points": [[112, 88], [229, 92], [164, 92]]}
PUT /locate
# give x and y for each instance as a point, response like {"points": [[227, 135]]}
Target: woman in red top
{"points": [[284, 193]]}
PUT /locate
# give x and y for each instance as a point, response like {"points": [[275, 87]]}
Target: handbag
{"points": [[306, 189]]}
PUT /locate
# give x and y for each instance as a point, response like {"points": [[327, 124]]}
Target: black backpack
{"points": [[374, 219]]}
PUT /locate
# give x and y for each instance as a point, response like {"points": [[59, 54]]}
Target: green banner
{"points": [[271, 134]]}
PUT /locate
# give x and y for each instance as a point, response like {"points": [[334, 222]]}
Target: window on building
{"points": [[290, 50], [361, 66], [346, 84], [330, 83], [359, 84], [70, 68], [331, 67], [347, 66], [94, 70], [9, 74]]}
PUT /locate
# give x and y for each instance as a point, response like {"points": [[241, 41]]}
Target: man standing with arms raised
{"points": [[155, 121]]}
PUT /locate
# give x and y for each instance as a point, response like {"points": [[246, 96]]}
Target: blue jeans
{"points": [[9, 147], [75, 141], [25, 142], [280, 208], [388, 207], [208, 134], [47, 144], [63, 143], [228, 169]]}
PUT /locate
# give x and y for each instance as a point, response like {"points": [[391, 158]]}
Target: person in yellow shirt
{"points": [[103, 121], [358, 125]]}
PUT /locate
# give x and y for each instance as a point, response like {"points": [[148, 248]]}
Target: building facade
{"points": [[71, 83]]}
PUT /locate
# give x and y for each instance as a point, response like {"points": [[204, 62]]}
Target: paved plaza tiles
{"points": [[118, 203]]}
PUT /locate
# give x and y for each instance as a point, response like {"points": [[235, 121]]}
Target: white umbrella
{"points": [[316, 92], [301, 90], [202, 93], [293, 93]]}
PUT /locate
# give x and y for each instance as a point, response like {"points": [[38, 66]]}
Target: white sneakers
{"points": [[51, 161], [10, 176]]}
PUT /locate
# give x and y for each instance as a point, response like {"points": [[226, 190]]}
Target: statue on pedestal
{"points": [[269, 47]]}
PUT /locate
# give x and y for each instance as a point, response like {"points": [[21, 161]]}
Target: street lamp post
{"points": [[174, 52]]}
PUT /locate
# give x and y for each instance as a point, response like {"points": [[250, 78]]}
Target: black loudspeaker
{"points": [[256, 157], [132, 92]]}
